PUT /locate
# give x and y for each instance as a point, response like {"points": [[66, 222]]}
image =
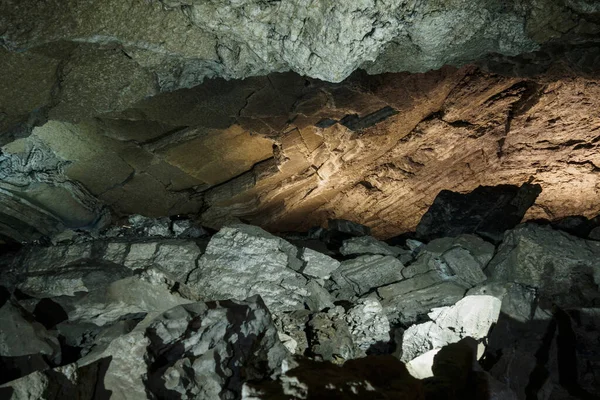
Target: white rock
{"points": [[470, 317]]}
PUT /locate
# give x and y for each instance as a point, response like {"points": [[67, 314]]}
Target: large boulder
{"points": [[403, 302], [565, 269], [487, 211], [360, 275], [461, 259], [243, 260], [472, 317]]}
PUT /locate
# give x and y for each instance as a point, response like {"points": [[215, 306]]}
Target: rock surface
{"points": [[242, 260], [119, 313]]}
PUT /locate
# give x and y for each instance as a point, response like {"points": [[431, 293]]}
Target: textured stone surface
{"points": [[472, 317], [461, 259], [564, 268], [358, 276], [243, 260]]}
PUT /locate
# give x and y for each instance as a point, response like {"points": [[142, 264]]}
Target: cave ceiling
{"points": [[286, 113]]}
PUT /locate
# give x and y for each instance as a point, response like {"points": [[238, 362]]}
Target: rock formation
{"points": [[165, 309], [261, 200]]}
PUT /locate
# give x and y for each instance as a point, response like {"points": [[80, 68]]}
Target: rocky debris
{"points": [[329, 337], [360, 275], [461, 259], [209, 349], [243, 260], [472, 316], [139, 226], [316, 264], [486, 211], [159, 316], [564, 268], [369, 327]]}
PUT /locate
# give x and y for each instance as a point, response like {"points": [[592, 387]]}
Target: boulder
{"points": [[25, 345], [360, 275], [403, 302], [461, 259], [316, 264], [242, 260], [472, 317], [348, 227], [565, 269], [487, 211]]}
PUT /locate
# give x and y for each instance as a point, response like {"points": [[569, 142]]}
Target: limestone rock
{"points": [[21, 335], [66, 382], [564, 268], [369, 245], [316, 264], [294, 325], [242, 260], [330, 338], [369, 327], [404, 301], [487, 211], [212, 348], [470, 317], [461, 259], [348, 227], [358, 276]]}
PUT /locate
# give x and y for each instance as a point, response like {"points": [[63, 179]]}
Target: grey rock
{"points": [[369, 245], [461, 259], [348, 227], [319, 298], [212, 349], [184, 228], [470, 317], [144, 226], [404, 301], [564, 268], [70, 381], [369, 327], [243, 260], [21, 335], [317, 264], [358, 276], [177, 257], [330, 337], [146, 291], [595, 234]]}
